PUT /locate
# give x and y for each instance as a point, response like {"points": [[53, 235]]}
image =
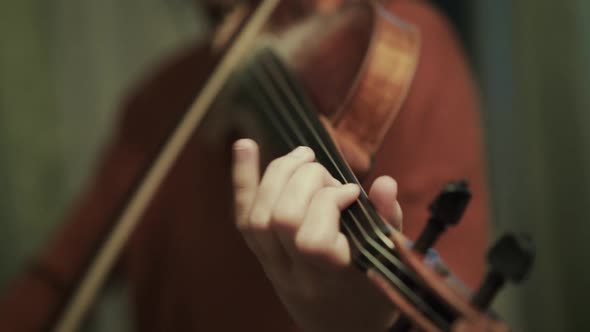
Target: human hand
{"points": [[290, 219]]}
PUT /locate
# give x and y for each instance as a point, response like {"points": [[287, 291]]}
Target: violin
{"points": [[264, 84]]}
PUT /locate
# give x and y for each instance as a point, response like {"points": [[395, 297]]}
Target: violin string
{"points": [[265, 107], [274, 70], [271, 115], [378, 265], [290, 122], [266, 86], [297, 107], [263, 104], [261, 81], [364, 232], [390, 276]]}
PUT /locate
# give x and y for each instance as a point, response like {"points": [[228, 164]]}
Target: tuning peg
{"points": [[511, 258], [447, 209]]}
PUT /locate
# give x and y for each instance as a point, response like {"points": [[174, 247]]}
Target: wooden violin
{"points": [[265, 84]]}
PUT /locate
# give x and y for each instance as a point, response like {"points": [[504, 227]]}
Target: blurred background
{"points": [[65, 65]]}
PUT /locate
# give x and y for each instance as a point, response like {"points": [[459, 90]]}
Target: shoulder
{"points": [[440, 45], [427, 18], [442, 64]]}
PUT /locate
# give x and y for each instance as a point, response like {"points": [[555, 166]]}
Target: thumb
{"points": [[383, 194]]}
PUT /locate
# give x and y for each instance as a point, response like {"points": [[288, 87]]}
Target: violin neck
{"points": [[268, 88]]}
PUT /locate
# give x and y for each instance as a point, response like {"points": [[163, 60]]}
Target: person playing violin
{"points": [[288, 217]]}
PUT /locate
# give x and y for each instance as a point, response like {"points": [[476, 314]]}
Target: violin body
{"points": [[187, 266]]}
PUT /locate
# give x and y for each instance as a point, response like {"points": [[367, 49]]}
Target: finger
{"points": [[383, 194], [319, 239], [245, 177], [276, 176], [291, 207], [257, 227]]}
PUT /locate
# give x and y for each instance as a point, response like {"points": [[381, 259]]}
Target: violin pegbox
{"points": [[510, 259]]}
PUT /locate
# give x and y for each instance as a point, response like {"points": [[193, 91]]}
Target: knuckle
{"points": [[240, 188], [240, 185], [280, 165], [311, 246], [240, 209], [301, 152], [287, 217], [258, 221], [242, 198], [275, 164], [314, 169], [324, 195]]}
